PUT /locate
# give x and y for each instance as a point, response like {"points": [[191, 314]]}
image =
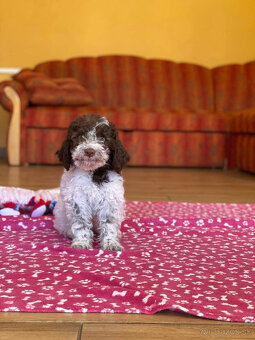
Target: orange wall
{"points": [[207, 32]]}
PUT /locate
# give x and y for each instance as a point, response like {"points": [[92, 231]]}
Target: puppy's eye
{"points": [[101, 139]]}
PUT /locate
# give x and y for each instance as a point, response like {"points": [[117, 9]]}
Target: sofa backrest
{"points": [[234, 87], [137, 82]]}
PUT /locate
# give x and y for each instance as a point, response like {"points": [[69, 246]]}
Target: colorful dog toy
{"points": [[10, 209], [35, 207]]}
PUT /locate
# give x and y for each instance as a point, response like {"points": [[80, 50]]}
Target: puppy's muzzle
{"points": [[89, 152]]}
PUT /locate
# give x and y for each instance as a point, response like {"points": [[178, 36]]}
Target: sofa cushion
{"points": [[43, 90], [146, 148], [178, 149], [130, 81], [131, 119]]}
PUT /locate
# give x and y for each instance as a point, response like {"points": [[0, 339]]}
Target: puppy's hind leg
{"points": [[61, 222]]}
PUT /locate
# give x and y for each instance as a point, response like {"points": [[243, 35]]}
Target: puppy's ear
{"points": [[120, 157], [64, 155]]}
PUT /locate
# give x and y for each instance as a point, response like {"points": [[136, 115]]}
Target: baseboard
{"points": [[3, 153]]}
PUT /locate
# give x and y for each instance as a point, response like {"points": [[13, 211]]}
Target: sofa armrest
{"points": [[6, 102], [14, 98]]}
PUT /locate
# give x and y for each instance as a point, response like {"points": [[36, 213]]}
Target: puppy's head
{"points": [[92, 143]]}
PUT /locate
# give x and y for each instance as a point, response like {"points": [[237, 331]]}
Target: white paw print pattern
{"points": [[197, 258], [166, 210]]}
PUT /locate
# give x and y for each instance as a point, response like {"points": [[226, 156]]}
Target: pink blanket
{"points": [[196, 258]]}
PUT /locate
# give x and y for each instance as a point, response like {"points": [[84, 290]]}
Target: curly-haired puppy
{"points": [[91, 189]]}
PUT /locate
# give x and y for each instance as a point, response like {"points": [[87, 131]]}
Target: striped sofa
{"points": [[167, 113]]}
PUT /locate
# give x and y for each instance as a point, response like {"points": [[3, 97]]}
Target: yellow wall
{"points": [[207, 32]]}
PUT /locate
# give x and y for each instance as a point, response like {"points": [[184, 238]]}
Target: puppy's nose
{"points": [[89, 152]]}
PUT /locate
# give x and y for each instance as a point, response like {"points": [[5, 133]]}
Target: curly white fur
{"points": [[83, 204]]}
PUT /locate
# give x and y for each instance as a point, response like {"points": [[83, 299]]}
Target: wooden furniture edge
{"points": [[13, 139]]}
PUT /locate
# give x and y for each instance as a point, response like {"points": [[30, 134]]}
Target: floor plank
{"points": [[173, 332], [162, 317], [189, 185], [154, 184], [42, 331]]}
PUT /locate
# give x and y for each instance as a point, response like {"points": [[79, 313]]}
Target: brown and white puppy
{"points": [[91, 189]]}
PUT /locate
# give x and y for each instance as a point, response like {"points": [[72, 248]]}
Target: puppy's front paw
{"points": [[82, 243], [109, 244]]}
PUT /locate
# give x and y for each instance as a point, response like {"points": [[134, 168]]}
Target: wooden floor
{"points": [[151, 184], [189, 185]]}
